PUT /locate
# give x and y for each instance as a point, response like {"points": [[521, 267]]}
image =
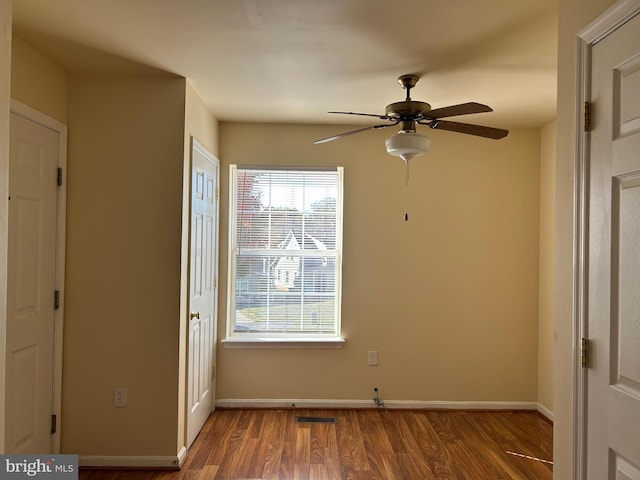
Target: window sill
{"points": [[274, 342]]}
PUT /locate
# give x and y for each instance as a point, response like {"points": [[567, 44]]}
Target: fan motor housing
{"points": [[408, 109]]}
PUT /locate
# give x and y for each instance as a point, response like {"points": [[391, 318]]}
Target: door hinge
{"points": [[584, 352], [56, 300], [216, 193], [215, 282], [54, 424], [587, 116], [59, 178]]}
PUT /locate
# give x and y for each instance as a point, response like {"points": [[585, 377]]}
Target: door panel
{"points": [[202, 291], [613, 380], [30, 319], [625, 354]]}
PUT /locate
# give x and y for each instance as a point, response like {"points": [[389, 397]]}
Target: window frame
{"points": [[281, 339]]}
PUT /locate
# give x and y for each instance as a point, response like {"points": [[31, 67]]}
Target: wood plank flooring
{"points": [[362, 445]]}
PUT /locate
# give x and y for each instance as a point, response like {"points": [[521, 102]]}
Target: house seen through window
{"points": [[285, 252]]}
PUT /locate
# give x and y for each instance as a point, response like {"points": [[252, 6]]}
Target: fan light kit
{"points": [[407, 143]]}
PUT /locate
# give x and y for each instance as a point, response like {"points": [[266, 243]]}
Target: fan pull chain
{"points": [[406, 191]]}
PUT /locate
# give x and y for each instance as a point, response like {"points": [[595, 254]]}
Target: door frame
{"points": [[613, 18], [60, 128]]}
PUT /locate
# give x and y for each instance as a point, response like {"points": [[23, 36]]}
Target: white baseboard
{"points": [[182, 455], [390, 404], [291, 403], [545, 411], [116, 461]]}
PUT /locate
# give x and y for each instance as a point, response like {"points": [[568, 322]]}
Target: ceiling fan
{"points": [[409, 113], [407, 143]]}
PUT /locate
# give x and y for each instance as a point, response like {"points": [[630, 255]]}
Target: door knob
{"points": [[194, 315]]}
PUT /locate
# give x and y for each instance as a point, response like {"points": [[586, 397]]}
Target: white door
{"points": [[203, 305], [613, 379], [33, 164]]}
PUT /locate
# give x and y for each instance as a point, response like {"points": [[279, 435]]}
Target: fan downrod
{"points": [[408, 82], [408, 109]]}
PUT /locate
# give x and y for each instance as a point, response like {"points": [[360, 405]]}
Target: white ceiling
{"points": [[293, 60]]}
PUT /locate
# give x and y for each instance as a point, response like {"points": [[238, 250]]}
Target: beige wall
{"points": [[449, 299], [5, 80], [122, 317], [202, 125], [574, 16], [37, 81], [547, 259]]}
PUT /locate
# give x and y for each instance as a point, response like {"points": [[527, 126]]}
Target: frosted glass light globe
{"points": [[407, 145]]}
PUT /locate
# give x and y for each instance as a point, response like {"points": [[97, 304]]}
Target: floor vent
{"points": [[316, 420]]}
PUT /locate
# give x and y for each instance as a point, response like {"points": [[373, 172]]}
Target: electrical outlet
{"points": [[120, 397], [372, 357]]}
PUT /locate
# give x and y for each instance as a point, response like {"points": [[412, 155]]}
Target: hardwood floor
{"points": [[362, 445]]}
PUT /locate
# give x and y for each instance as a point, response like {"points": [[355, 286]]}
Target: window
{"points": [[285, 250]]}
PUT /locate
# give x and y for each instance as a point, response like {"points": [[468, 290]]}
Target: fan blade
{"points": [[334, 137], [461, 109], [381, 117], [469, 129]]}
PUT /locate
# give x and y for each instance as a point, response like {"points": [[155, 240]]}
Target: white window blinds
{"points": [[285, 252]]}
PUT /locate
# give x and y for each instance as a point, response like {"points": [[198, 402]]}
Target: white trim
{"points": [[114, 461], [260, 343], [389, 404], [291, 403], [620, 13], [544, 411], [5, 94], [612, 19], [40, 118], [182, 456]]}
